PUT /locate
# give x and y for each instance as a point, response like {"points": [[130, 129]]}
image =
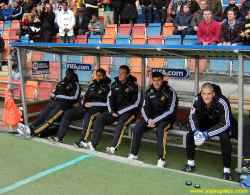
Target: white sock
{"points": [[191, 162], [227, 170]]}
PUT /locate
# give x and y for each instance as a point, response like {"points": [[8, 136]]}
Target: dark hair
{"points": [[65, 3], [95, 15], [51, 8], [71, 71], [126, 68], [102, 71], [232, 10], [157, 74]]}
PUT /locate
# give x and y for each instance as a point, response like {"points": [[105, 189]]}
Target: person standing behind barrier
{"points": [[118, 6], [47, 18], [66, 22], [198, 16], [91, 9], [147, 11], [176, 9], [129, 11], [81, 23], [216, 7], [158, 111], [65, 95], [208, 30], [211, 116], [230, 30], [93, 104], [123, 102], [182, 22], [108, 12], [160, 8]]}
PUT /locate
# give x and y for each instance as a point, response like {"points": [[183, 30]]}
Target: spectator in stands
{"points": [[123, 104], [69, 6], [2, 45], [194, 6], [42, 2], [93, 104], [7, 12], [245, 33], [118, 6], [91, 9], [176, 8], [27, 6], [1, 15], [198, 16], [244, 10], [25, 24], [95, 27], [65, 95], [81, 24], [56, 11], [2, 6], [129, 11], [231, 6], [60, 5], [34, 29], [160, 8], [208, 30], [182, 22], [17, 12], [230, 31], [19, 2], [158, 111], [52, 2], [47, 18], [211, 116], [66, 22], [147, 11], [108, 12], [216, 7]]}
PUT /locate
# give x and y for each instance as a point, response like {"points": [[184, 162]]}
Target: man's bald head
{"points": [[207, 86]]}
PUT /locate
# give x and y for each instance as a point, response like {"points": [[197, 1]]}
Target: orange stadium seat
{"points": [[202, 65], [168, 29], [89, 60], [6, 34], [136, 72], [44, 91], [156, 62], [139, 39], [108, 39], [31, 90], [3, 86], [111, 29], [6, 52]]}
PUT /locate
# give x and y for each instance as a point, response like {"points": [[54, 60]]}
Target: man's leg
{"points": [[88, 14], [226, 149], [246, 149], [163, 16], [161, 134], [70, 39], [150, 14], [138, 131], [111, 17], [198, 43], [102, 120], [176, 32], [72, 114], [63, 39], [144, 15], [106, 18], [116, 16], [122, 123], [88, 121], [157, 16]]}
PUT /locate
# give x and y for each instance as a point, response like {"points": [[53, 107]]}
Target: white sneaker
{"points": [[90, 146], [161, 163], [23, 130], [133, 157], [83, 145], [110, 150]]}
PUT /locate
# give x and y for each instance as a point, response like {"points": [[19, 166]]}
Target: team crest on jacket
{"points": [[162, 98], [100, 91], [127, 89], [67, 87], [192, 110]]}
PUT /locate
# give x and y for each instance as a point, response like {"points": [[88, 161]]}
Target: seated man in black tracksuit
{"points": [[65, 95], [159, 110], [123, 103], [211, 116], [17, 12], [93, 104]]}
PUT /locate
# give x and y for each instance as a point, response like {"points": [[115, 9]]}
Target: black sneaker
{"points": [[188, 168], [77, 144], [55, 139], [227, 176], [246, 166]]}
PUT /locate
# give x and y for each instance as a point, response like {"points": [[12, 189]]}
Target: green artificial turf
{"points": [[21, 158]]}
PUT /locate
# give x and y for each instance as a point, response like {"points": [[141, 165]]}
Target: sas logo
{"points": [[100, 91], [127, 90], [162, 98]]}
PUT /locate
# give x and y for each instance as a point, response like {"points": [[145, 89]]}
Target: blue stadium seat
{"points": [[114, 73], [64, 70], [48, 57], [174, 40], [75, 59], [7, 24], [84, 76], [225, 2], [1, 31], [123, 39], [153, 29], [25, 39], [64, 58], [94, 39], [219, 66], [190, 39], [246, 67]]}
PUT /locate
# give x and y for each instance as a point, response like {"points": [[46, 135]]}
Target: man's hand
{"points": [[199, 137], [173, 13], [151, 123], [196, 28], [66, 30], [229, 44], [13, 16], [224, 44], [115, 115], [143, 6], [154, 8], [88, 104], [242, 34], [54, 98], [205, 43], [163, 7], [246, 16]]}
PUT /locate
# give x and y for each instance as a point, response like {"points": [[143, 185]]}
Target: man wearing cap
{"points": [[81, 24]]}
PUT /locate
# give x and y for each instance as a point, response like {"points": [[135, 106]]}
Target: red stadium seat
{"points": [[81, 39], [139, 29], [17, 92], [54, 72], [44, 91], [156, 39], [125, 29]]}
